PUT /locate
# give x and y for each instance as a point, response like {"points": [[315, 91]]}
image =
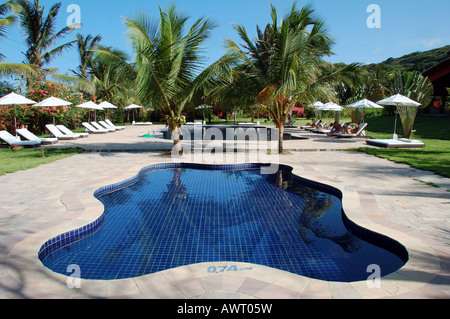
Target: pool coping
{"points": [[194, 281]]}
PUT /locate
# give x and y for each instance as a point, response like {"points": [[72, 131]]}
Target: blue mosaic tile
{"points": [[175, 214]]}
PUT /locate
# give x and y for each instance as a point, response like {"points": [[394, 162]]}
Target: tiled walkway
{"points": [[389, 198]]}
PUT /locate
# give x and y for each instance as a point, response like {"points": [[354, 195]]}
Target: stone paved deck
{"points": [[389, 198]]}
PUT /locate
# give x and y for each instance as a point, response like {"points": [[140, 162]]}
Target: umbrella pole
{"points": [[395, 127]]}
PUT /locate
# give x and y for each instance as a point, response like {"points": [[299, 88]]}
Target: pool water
{"points": [[180, 216]]}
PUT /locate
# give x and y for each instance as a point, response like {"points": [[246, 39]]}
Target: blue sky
{"points": [[406, 25]]}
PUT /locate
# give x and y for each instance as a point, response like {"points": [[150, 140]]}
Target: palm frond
{"points": [[11, 69], [82, 84]]}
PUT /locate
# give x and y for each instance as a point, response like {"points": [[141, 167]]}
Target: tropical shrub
{"points": [[35, 118]]}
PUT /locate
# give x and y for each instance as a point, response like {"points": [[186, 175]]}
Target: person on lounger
{"points": [[319, 125], [347, 129], [335, 128], [312, 124]]}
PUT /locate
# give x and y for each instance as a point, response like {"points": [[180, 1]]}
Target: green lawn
{"points": [[434, 157], [433, 131], [12, 161]]}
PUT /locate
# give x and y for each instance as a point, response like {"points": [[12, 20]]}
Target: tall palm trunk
{"points": [[177, 148], [280, 139], [174, 123]]}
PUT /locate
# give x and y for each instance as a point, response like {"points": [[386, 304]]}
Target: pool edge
{"points": [[375, 238]]}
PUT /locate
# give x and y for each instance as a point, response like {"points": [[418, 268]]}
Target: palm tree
{"points": [[86, 46], [40, 34], [5, 22], [168, 60], [112, 76], [285, 63]]}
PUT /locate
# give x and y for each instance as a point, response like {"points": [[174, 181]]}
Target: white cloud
{"points": [[430, 42], [378, 50]]}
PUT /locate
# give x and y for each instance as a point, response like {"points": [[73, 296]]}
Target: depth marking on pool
{"points": [[220, 269]]}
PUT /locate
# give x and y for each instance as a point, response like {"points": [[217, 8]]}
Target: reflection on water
{"points": [[176, 217]]}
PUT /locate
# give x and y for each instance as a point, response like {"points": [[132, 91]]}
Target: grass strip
{"points": [[13, 161]]}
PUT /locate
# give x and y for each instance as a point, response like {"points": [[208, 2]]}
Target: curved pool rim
{"points": [[365, 234]]}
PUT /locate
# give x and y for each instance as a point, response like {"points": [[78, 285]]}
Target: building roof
{"points": [[439, 75]]}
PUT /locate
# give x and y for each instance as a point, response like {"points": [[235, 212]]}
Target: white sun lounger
{"points": [[325, 130], [324, 124], [93, 130], [321, 130], [360, 133], [113, 125], [58, 134], [99, 127], [15, 140], [141, 123], [107, 126], [309, 126], [67, 131], [395, 143], [31, 137]]}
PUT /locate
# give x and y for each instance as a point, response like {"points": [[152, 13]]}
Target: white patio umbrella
{"points": [[364, 104], [331, 106], [315, 105], [203, 107], [91, 106], [106, 105], [15, 99], [53, 101], [132, 106], [401, 102]]}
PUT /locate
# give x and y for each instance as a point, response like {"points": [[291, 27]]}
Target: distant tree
{"points": [[285, 63], [40, 34], [86, 46], [168, 60], [111, 74], [7, 18]]}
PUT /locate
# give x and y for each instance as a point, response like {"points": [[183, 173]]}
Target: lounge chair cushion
{"points": [[68, 132], [13, 140], [93, 130], [31, 137], [113, 125], [57, 133]]}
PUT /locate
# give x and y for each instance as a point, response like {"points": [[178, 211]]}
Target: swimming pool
{"points": [[172, 215]]}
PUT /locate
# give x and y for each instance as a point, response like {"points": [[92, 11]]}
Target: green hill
{"points": [[417, 61]]}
